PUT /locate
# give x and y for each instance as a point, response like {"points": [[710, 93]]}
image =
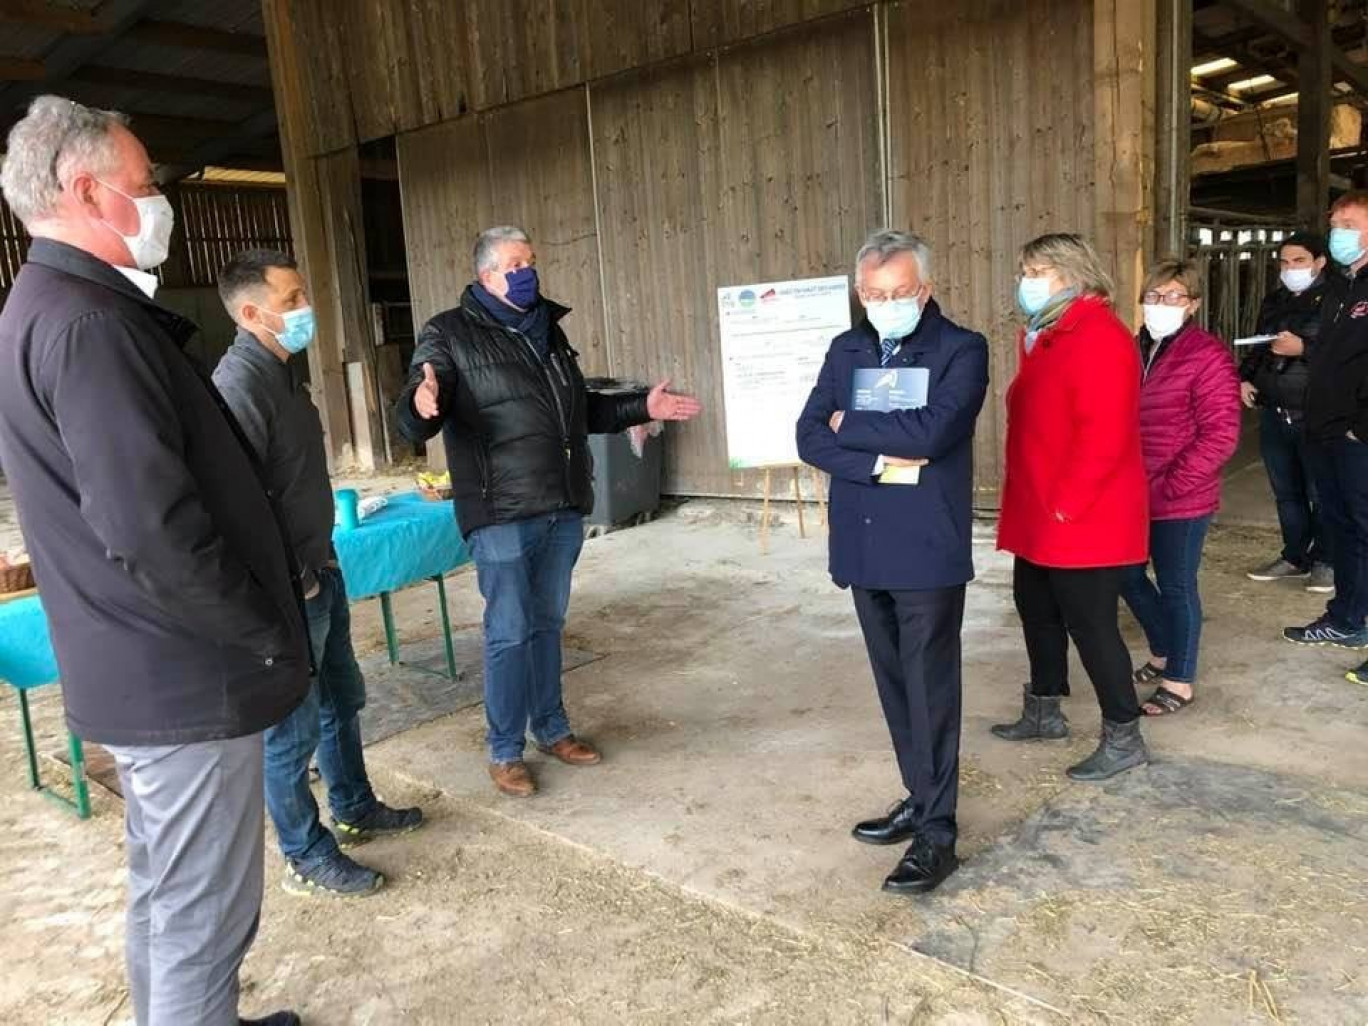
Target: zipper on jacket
{"points": [[555, 396]]}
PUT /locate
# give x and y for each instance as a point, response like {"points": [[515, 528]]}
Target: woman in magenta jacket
{"points": [[1189, 428]]}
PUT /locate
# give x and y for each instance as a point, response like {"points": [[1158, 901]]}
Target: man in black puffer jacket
{"points": [[1274, 378], [498, 378]]}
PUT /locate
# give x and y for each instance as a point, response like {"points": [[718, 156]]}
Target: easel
{"points": [[765, 512]]}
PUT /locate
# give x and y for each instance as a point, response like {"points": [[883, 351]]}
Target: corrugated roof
{"points": [[195, 115]]}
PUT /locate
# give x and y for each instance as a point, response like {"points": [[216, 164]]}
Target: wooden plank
{"points": [[291, 85], [700, 186], [656, 162], [521, 50], [1173, 120], [42, 14], [445, 189], [344, 309], [197, 37], [719, 24], [20, 69], [1123, 64], [554, 201], [178, 85], [989, 147], [1314, 104]]}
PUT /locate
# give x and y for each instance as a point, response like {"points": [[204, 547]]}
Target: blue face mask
{"points": [[298, 330], [523, 287], [894, 318], [1346, 246], [1033, 294]]}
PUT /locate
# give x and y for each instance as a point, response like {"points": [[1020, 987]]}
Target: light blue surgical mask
{"points": [[894, 318], [1346, 245], [1033, 294], [298, 330]]}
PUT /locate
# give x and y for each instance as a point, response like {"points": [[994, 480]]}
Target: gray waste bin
{"points": [[626, 487]]}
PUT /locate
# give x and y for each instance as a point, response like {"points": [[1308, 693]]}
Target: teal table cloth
{"points": [[26, 659], [408, 540]]}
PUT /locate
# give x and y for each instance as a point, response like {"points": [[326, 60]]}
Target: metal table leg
{"points": [[446, 627], [391, 636], [29, 749], [75, 750]]}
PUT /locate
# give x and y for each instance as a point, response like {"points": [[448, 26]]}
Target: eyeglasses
{"points": [[868, 296], [1154, 298]]}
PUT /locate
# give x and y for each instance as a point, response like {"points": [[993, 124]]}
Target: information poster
{"points": [[774, 338]]}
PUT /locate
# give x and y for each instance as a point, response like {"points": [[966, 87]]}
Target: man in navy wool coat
{"points": [[904, 548]]}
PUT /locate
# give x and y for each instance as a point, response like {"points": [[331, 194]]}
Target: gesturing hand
{"points": [[1249, 395], [425, 397], [663, 405]]}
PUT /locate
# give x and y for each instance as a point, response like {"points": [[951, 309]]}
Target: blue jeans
{"points": [[1284, 450], [524, 573], [1341, 469], [1170, 612], [327, 723]]}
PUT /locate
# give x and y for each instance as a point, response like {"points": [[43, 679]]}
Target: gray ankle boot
{"points": [[1122, 747], [1041, 720]]}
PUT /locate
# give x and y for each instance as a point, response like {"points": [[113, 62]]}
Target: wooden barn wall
{"points": [[702, 186], [657, 151], [694, 190], [990, 106]]}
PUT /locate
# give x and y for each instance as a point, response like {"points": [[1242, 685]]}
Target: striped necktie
{"points": [[887, 347]]}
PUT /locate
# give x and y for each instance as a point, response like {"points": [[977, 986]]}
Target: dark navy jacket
{"points": [[896, 537]]}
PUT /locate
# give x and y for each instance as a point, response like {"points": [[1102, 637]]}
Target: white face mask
{"points": [[1162, 321], [156, 219], [1298, 279]]}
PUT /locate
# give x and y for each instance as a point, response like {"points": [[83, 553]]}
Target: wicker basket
{"points": [[15, 578]]}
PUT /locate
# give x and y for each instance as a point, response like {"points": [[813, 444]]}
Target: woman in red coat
{"points": [[1189, 428], [1074, 496]]}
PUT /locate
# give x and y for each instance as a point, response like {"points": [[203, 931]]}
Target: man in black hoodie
{"points": [[1273, 378], [1337, 430], [162, 565], [499, 378]]}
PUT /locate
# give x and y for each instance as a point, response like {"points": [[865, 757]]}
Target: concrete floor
{"points": [[743, 738]]}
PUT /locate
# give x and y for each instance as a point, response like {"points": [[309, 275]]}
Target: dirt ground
{"points": [[487, 921], [704, 874]]}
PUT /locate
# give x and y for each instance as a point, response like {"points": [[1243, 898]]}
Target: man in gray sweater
{"points": [[266, 297]]}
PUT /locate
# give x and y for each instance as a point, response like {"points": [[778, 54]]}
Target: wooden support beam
{"points": [[1314, 104], [20, 69], [41, 14], [1124, 48], [232, 140], [178, 85], [194, 37], [1276, 19], [327, 374], [1173, 131]]}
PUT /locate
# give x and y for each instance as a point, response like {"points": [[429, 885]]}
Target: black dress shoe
{"points": [[923, 868], [285, 1018], [897, 826]]}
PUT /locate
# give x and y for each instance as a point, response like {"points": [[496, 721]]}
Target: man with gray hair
{"points": [[497, 376], [174, 610], [891, 419]]}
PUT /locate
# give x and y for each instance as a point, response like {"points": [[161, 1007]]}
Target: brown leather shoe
{"points": [[573, 752], [513, 778]]}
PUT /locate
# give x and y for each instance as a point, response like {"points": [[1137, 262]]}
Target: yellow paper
{"points": [[900, 475]]}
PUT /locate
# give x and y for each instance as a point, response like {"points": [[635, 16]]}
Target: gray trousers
{"points": [[193, 824]]}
